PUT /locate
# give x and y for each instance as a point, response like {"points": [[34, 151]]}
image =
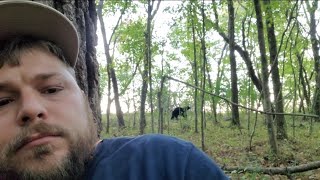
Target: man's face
{"points": [[45, 122]]}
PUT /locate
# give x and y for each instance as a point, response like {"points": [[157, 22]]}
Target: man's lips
{"points": [[36, 139]]}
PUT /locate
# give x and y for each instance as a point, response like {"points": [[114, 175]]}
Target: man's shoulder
{"points": [[151, 147], [154, 156], [148, 140]]}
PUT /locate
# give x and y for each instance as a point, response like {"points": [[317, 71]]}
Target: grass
{"points": [[229, 146]]}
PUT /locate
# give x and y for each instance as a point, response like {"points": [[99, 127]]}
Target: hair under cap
{"points": [[29, 18]]}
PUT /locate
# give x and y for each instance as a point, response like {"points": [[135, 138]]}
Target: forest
{"points": [[249, 70]]}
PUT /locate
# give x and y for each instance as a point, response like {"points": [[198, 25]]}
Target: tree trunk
{"points": [[84, 17], [159, 95], [315, 49], [220, 74], [109, 103], [147, 67], [264, 73], [278, 99], [160, 103], [203, 69], [303, 81], [110, 69], [148, 43], [213, 103], [143, 97], [145, 71], [195, 70], [233, 67]]}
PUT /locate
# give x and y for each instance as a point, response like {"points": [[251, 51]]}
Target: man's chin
{"points": [[40, 158], [42, 164]]}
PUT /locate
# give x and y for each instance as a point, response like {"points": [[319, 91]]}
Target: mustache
{"points": [[41, 128]]}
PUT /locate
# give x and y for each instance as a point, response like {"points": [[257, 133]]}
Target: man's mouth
{"points": [[36, 140]]}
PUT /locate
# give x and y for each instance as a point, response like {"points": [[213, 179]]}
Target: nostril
{"points": [[40, 115], [25, 119]]}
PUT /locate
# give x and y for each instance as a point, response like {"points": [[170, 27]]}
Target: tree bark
{"points": [[146, 74], [195, 68], [315, 49], [277, 170], [265, 74], [278, 99], [303, 81], [233, 67], [84, 17], [203, 69]]}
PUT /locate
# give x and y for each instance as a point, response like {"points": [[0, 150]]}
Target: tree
{"points": [[315, 49], [195, 64], [203, 69], [241, 50], [265, 74], [233, 66], [278, 99], [110, 68], [83, 15], [146, 74]]}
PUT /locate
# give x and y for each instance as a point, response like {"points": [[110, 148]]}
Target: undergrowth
{"points": [[230, 145]]}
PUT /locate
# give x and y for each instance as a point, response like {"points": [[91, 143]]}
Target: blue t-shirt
{"points": [[151, 157]]}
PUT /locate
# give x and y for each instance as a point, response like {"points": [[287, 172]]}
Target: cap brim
{"points": [[40, 21]]}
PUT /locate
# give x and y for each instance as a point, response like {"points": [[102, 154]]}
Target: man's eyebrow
{"points": [[45, 76]]}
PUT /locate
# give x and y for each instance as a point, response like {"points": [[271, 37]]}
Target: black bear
{"points": [[180, 111]]}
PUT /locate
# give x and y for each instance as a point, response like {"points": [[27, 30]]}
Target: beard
{"points": [[71, 166]]}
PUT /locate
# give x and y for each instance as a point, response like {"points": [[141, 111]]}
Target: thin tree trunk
{"points": [[111, 69], [160, 121], [315, 49], [146, 74], [220, 74], [109, 102], [303, 81], [233, 67], [148, 55], [265, 73], [195, 70], [213, 103], [134, 108], [278, 99], [203, 47], [160, 105]]}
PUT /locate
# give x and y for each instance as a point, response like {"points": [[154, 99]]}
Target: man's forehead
{"points": [[35, 65], [8, 81]]}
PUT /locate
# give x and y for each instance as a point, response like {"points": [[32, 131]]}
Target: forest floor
{"points": [[230, 146]]}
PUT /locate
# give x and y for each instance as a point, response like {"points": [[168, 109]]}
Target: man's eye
{"points": [[52, 90], [5, 101]]}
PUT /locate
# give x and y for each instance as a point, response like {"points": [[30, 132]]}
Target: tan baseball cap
{"points": [[23, 17]]}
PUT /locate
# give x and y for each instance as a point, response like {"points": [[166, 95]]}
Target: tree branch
{"points": [[242, 106], [277, 170]]}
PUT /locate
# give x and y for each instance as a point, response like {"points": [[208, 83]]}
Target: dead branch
{"points": [[276, 170]]}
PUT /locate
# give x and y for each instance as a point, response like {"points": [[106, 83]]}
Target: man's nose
{"points": [[32, 108]]}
